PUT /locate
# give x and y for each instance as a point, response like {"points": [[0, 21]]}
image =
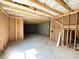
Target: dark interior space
{"points": [[30, 29], [42, 29]]}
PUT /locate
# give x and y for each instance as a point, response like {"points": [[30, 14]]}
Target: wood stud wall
{"points": [[4, 27], [56, 28], [11, 29], [69, 30], [19, 28], [16, 28]]}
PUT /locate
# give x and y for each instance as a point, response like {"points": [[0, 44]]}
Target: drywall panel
{"points": [[44, 28]]}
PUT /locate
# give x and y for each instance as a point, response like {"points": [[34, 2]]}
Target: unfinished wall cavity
{"points": [[68, 26], [55, 30]]}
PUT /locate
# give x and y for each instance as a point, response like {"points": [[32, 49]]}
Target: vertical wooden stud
{"points": [[75, 42], [70, 37], [68, 30], [51, 29], [62, 40]]}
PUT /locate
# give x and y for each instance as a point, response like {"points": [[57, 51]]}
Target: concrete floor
{"points": [[38, 47]]}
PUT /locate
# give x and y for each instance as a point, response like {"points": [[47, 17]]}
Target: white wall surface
{"points": [[44, 28]]}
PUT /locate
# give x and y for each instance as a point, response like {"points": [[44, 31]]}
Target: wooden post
{"points": [[75, 42], [51, 29], [67, 37], [70, 37], [62, 40], [68, 30]]}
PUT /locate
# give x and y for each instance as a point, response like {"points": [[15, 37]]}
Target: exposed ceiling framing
{"points": [[21, 12], [61, 2], [46, 6], [18, 7], [31, 18], [42, 10], [35, 9], [32, 8]]}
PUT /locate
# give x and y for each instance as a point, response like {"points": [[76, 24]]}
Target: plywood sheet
{"points": [[12, 29], [19, 28], [4, 34], [16, 28]]}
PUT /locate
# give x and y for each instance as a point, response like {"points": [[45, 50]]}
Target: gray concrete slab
{"points": [[38, 47]]}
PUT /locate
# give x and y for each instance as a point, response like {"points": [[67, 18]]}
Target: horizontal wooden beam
{"points": [[25, 9], [47, 7], [62, 3], [31, 20], [58, 22], [33, 8], [21, 12], [39, 10], [67, 14]]}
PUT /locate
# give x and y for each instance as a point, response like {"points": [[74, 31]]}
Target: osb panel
{"points": [[72, 19]]}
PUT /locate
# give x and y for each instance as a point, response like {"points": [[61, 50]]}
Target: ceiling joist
{"points": [[17, 11], [21, 12], [24, 9], [62, 3], [32, 8], [47, 7], [39, 10], [30, 20], [35, 9]]}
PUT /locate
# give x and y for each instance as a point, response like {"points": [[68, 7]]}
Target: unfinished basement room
{"points": [[39, 29]]}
